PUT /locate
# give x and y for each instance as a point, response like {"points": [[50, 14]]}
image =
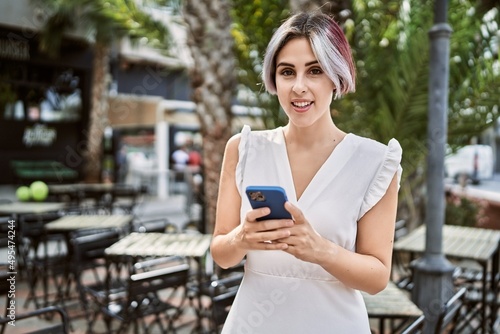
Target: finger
{"points": [[296, 213], [271, 236], [252, 215], [272, 246], [275, 224]]}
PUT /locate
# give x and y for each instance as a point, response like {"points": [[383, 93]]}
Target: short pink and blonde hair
{"points": [[328, 43]]}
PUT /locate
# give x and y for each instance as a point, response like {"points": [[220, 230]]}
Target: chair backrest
{"points": [[155, 263], [92, 246], [61, 327], [141, 284], [33, 238], [223, 291], [220, 307], [400, 229], [416, 327], [89, 248], [32, 225], [151, 225], [451, 311]]}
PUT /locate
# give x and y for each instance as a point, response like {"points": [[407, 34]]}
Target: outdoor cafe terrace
{"points": [[93, 256]]}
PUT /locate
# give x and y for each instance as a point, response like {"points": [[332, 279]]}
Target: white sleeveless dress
{"points": [[279, 293]]}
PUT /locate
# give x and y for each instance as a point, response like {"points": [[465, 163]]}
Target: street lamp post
{"points": [[433, 272]]}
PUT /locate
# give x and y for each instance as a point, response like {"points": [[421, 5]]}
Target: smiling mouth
{"points": [[301, 104]]}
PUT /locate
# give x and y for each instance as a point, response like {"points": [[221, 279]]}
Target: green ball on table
{"points": [[39, 191], [23, 193]]}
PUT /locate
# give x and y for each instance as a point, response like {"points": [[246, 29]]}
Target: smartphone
{"points": [[273, 197]]}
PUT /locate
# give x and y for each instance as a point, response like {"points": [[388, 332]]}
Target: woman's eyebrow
{"points": [[291, 65], [285, 64]]}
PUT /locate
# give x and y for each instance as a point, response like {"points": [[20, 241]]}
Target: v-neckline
{"points": [[291, 191]]}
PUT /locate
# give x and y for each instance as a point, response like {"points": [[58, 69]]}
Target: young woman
{"points": [[302, 275]]}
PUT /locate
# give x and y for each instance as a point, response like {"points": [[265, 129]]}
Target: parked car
{"points": [[472, 162]]}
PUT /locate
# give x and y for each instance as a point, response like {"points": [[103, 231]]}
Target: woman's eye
{"points": [[316, 71], [286, 73]]}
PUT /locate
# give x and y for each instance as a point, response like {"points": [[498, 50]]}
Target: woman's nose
{"points": [[299, 85]]}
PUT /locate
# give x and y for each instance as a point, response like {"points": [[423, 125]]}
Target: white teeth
{"points": [[301, 104]]}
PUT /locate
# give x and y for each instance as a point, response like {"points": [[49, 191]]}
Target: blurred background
{"points": [[107, 91]]}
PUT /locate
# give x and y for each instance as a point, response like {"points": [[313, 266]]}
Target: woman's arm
{"points": [[232, 240], [368, 268], [224, 248]]}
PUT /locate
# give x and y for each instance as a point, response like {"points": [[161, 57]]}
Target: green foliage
{"points": [[474, 85], [464, 211], [254, 23], [391, 48], [101, 21], [390, 45]]}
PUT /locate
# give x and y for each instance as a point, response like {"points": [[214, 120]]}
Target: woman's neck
{"points": [[319, 134]]}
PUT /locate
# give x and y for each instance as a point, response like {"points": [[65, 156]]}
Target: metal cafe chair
{"points": [[401, 272], [450, 313], [415, 327], [125, 197], [213, 296], [89, 270], [151, 225], [222, 297], [155, 292], [44, 257], [61, 327]]}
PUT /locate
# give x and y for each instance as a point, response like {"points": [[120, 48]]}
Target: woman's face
{"points": [[303, 88]]}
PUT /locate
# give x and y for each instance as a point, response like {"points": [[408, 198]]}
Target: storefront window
{"points": [[39, 93]]}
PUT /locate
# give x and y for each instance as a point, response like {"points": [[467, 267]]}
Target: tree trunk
{"points": [[98, 119], [213, 78]]}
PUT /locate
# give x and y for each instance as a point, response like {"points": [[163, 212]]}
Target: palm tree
{"points": [[102, 22], [213, 80]]}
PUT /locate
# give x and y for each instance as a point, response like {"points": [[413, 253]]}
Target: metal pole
{"points": [[162, 149], [433, 272]]}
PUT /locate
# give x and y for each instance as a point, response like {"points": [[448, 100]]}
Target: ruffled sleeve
{"points": [[391, 165], [243, 151]]}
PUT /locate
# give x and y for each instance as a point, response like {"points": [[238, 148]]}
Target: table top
{"points": [[458, 241], [104, 187], [30, 207], [392, 302], [161, 244], [78, 222]]}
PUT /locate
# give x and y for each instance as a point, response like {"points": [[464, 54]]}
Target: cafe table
{"points": [[392, 303], [17, 210], [161, 244], [465, 243], [71, 223], [137, 246], [20, 208]]}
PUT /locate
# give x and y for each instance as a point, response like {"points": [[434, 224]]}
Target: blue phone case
{"points": [[273, 197]]}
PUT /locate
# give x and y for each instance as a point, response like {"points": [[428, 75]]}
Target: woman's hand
{"points": [[304, 242], [265, 234]]}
